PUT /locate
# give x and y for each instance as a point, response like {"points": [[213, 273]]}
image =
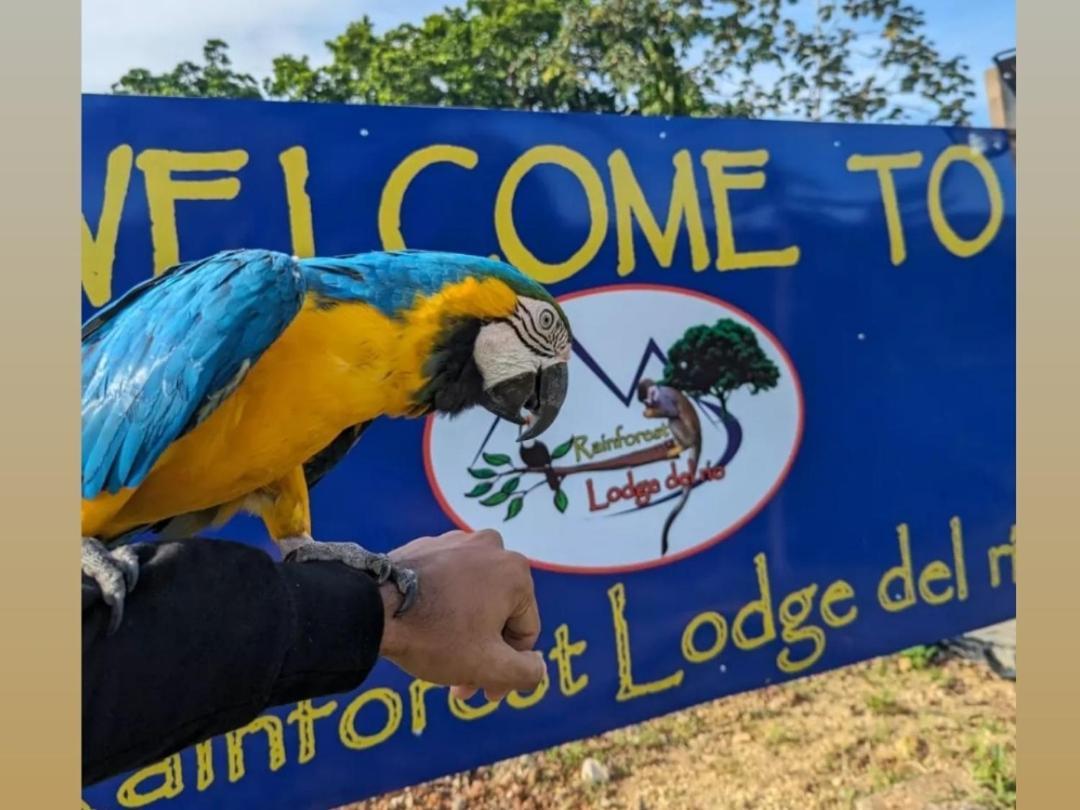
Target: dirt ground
{"points": [[915, 731]]}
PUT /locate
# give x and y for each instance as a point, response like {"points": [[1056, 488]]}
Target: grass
{"points": [[924, 725], [777, 735], [995, 771], [884, 703], [570, 755], [923, 656]]}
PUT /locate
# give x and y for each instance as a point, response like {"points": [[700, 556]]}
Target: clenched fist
{"points": [[475, 621]]}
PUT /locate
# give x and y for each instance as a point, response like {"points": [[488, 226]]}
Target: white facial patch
{"points": [[534, 336], [500, 354]]}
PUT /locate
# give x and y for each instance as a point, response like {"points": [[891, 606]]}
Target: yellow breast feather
{"points": [[332, 367]]}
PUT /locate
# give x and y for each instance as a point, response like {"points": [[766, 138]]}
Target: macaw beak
{"points": [[529, 399]]}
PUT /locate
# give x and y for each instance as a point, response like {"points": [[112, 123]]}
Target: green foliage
{"points": [[562, 449], [213, 79], [884, 703], [561, 500], [496, 499], [716, 360], [922, 656], [482, 473], [995, 771], [497, 459], [847, 60], [479, 489]]}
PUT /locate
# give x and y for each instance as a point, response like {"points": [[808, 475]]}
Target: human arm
{"points": [[216, 632]]}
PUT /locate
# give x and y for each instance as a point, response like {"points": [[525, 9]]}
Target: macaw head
{"points": [[509, 355], [523, 360]]}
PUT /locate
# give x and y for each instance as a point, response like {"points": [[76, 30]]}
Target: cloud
{"points": [[156, 34]]}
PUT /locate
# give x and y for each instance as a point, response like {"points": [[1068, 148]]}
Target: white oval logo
{"points": [[683, 417]]}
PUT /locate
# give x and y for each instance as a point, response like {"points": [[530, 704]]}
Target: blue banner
{"points": [[826, 474]]}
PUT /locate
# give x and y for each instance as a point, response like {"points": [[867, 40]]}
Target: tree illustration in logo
{"points": [[717, 360]]}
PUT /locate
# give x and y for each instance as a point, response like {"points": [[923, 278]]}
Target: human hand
{"points": [[475, 621]]}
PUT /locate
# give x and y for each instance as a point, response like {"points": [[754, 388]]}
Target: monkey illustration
{"points": [[665, 402]]}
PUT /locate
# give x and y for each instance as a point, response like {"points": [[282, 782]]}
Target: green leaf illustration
{"points": [[479, 489], [511, 485], [515, 507], [483, 472], [563, 448], [496, 459], [561, 501], [496, 499]]}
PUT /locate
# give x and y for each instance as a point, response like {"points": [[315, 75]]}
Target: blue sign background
{"points": [[912, 423]]}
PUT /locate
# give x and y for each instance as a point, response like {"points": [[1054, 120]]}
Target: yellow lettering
{"points": [[630, 204], [520, 701], [996, 553], [957, 536], [953, 242], [304, 715], [418, 705], [99, 250], [512, 246], [275, 740], [720, 633], [204, 765], [404, 173], [902, 572], [721, 184], [163, 191], [294, 165], [794, 610], [762, 605], [562, 653], [627, 688], [170, 770], [351, 738], [463, 711], [837, 592], [885, 165], [935, 572]]}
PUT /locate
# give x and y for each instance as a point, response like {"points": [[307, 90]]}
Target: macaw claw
{"points": [[115, 573], [380, 566]]}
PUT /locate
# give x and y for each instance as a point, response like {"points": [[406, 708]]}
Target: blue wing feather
{"points": [[159, 359]]}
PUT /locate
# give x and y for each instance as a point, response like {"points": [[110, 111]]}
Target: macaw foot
{"points": [[115, 572], [675, 451], [380, 566]]}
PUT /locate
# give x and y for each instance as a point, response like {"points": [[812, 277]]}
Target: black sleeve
{"points": [[213, 634]]}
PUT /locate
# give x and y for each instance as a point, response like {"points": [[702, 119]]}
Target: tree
{"points": [[717, 360], [486, 53], [844, 60], [214, 79]]}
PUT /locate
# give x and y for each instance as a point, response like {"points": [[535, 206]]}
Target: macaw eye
{"points": [[547, 319]]}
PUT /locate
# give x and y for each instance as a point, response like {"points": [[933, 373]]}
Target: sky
{"points": [[157, 34]]}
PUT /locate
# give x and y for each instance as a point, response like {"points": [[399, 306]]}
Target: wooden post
{"points": [[1001, 96], [995, 95]]}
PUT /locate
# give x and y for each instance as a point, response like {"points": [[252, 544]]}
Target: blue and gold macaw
{"points": [[236, 382]]}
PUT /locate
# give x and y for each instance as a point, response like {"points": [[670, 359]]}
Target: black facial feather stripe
{"points": [[529, 324], [528, 340], [547, 343], [554, 337], [561, 338]]}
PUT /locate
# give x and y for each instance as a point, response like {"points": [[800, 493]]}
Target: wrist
{"points": [[390, 646]]}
